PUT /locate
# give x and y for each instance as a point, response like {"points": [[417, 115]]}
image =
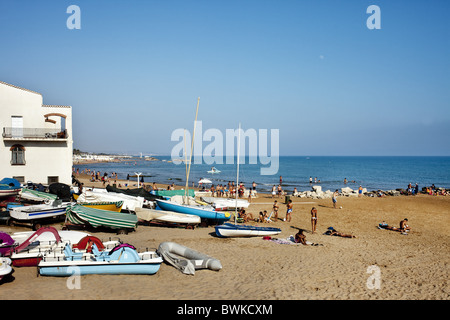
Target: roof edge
{"points": [[20, 88]]}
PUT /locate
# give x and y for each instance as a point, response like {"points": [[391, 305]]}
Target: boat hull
{"points": [[37, 212], [230, 230], [104, 268], [218, 216], [186, 259], [115, 206], [167, 216]]}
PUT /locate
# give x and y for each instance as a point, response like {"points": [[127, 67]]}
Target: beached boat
{"points": [[130, 203], [5, 267], [9, 187], [186, 259], [28, 247], [226, 203], [37, 196], [80, 215], [124, 259], [203, 212], [234, 230], [171, 193], [214, 170], [166, 217], [115, 206], [39, 213]]}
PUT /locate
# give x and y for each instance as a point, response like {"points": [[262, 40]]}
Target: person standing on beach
{"points": [[289, 211], [313, 219], [275, 210], [360, 190], [334, 198], [274, 190]]}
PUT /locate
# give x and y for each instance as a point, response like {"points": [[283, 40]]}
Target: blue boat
{"points": [[123, 259], [9, 187], [203, 212], [234, 230]]}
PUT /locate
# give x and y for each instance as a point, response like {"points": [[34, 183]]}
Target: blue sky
{"points": [[311, 69]]}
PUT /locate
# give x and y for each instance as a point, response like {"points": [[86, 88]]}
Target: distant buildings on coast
{"points": [[81, 157]]}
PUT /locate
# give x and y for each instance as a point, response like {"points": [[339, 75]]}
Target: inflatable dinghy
{"points": [[185, 259]]}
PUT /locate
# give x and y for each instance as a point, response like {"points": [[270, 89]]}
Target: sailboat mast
{"points": [[237, 175], [190, 156]]}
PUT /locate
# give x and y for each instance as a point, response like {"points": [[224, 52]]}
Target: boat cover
{"points": [[61, 190], [139, 192], [78, 214], [10, 182]]}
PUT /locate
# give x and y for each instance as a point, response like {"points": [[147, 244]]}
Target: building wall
{"points": [[43, 158]]}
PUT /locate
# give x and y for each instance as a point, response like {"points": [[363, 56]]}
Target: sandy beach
{"points": [[413, 266]]}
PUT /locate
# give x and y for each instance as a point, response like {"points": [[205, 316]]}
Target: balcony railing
{"points": [[33, 134]]}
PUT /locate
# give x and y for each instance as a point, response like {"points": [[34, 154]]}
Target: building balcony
{"points": [[34, 134]]}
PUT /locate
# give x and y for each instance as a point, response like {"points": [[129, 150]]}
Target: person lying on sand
{"points": [[404, 227], [332, 232]]}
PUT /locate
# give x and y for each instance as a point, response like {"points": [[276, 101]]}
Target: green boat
{"points": [[80, 215], [171, 193]]}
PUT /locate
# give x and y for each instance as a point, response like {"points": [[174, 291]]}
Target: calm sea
{"points": [[373, 173]]}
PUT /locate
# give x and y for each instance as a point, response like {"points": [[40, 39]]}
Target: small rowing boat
{"points": [[37, 214], [186, 259], [166, 217], [234, 230], [204, 212]]}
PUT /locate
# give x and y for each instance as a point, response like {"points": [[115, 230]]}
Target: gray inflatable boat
{"points": [[185, 259]]}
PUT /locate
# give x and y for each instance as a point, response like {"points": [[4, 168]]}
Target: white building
{"points": [[36, 138]]}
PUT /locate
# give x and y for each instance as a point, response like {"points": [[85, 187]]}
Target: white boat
{"points": [[186, 259], [214, 170], [5, 267], [38, 213], [169, 217], [226, 203], [130, 203], [233, 230]]}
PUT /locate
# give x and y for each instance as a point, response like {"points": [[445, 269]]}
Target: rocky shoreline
{"points": [[317, 193]]}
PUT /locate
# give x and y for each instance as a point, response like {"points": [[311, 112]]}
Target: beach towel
{"points": [[289, 240]]}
